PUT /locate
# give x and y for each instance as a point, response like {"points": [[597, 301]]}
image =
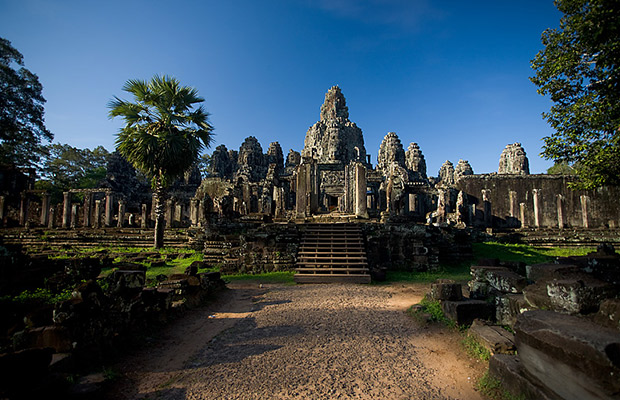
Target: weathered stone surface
{"points": [[573, 357], [536, 272], [56, 337], [221, 165], [609, 313], [513, 160], [505, 280], [415, 162], [494, 338], [446, 173], [462, 169], [252, 163], [574, 294], [464, 312], [334, 138], [390, 152], [446, 291], [510, 371], [127, 280], [275, 155], [508, 307]]}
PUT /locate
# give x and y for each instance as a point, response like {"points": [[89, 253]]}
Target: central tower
{"points": [[334, 139]]}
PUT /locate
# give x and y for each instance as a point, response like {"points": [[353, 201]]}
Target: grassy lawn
{"points": [[505, 252]]}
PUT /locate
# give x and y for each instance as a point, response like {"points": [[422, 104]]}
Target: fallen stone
{"points": [[609, 313], [575, 295], [479, 272], [508, 307], [446, 291], [509, 370], [494, 338], [490, 262], [478, 290], [506, 281], [574, 357], [54, 336], [536, 272], [464, 312], [128, 280]]}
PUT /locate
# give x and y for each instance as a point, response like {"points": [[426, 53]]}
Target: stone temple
{"points": [[331, 179]]}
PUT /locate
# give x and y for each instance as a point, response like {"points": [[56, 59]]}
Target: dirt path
{"points": [[303, 342]]}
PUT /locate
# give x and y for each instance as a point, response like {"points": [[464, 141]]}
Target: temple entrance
{"points": [[331, 203]]}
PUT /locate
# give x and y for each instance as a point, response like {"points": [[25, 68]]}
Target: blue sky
{"points": [[449, 75]]}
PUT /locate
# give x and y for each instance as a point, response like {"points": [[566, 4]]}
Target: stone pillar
{"points": [[300, 194], [584, 210], [413, 203], [512, 198], [74, 215], [88, 202], [522, 215], [278, 199], [121, 213], [193, 211], [361, 210], [144, 219], [201, 211], [169, 213], [313, 178], [560, 205], [536, 199], [461, 207], [488, 216], [45, 209], [97, 214], [132, 220], [66, 209], [178, 214], [109, 209], [52, 218], [2, 210], [441, 206], [23, 209]]}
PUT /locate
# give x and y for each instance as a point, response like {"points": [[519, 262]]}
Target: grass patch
{"points": [[492, 388], [459, 273], [474, 348], [525, 253], [285, 277]]}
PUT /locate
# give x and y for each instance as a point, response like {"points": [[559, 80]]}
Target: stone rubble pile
{"points": [[565, 317]]}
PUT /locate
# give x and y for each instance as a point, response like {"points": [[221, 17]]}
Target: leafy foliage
{"points": [[561, 168], [39, 295], [578, 69], [22, 124], [164, 134], [65, 167]]}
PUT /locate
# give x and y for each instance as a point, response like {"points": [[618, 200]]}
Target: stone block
{"points": [[509, 370], [508, 307], [128, 280], [446, 291], [494, 338], [210, 279], [574, 357], [536, 272], [609, 313], [54, 336], [488, 262], [574, 295], [478, 290], [464, 312], [515, 266], [506, 281], [479, 272]]}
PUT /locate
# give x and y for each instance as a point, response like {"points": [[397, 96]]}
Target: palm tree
{"points": [[163, 134]]}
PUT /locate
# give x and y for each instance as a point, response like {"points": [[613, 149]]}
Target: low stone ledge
{"points": [[509, 370], [464, 312], [574, 357], [494, 338]]}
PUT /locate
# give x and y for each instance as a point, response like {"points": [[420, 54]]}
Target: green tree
{"points": [[64, 167], [561, 168], [163, 136], [578, 70], [21, 110]]}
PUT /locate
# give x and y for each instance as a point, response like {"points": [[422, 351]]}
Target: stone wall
{"points": [[521, 201]]}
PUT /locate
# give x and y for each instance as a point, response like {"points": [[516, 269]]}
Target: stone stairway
{"points": [[332, 253]]}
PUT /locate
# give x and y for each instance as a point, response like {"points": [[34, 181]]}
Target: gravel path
{"points": [[312, 342]]}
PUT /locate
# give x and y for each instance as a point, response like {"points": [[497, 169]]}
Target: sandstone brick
{"points": [[464, 312], [574, 357]]}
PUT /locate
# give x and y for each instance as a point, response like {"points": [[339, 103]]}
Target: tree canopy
{"points": [[22, 124], [164, 133], [64, 167], [578, 70]]}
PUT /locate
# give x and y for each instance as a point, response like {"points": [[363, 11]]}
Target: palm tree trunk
{"points": [[160, 201]]}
